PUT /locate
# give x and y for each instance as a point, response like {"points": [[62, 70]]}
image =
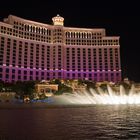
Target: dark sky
{"points": [[119, 19]]}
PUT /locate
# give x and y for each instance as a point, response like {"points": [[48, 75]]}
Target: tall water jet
{"points": [[100, 96]]}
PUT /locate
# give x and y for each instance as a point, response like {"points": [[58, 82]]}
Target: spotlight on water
{"points": [[100, 96]]}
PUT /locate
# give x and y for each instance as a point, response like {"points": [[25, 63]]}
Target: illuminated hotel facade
{"points": [[34, 51]]}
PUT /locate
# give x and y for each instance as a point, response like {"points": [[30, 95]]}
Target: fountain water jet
{"points": [[100, 96]]}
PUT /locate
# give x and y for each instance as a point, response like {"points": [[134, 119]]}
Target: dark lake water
{"points": [[109, 122]]}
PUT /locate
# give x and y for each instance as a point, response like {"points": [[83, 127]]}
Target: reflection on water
{"points": [[71, 123]]}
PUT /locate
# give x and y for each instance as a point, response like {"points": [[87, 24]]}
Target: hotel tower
{"points": [[35, 51]]}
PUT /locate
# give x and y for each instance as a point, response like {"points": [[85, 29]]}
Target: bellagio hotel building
{"points": [[35, 51]]}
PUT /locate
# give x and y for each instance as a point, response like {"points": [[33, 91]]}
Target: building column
{"points": [[109, 69]]}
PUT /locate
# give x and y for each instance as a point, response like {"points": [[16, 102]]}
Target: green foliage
{"points": [[24, 88], [103, 87], [90, 84], [57, 81], [125, 85], [63, 89], [6, 87], [1, 86], [80, 82], [42, 96]]}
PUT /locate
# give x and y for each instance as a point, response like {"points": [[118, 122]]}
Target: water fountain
{"points": [[100, 96]]}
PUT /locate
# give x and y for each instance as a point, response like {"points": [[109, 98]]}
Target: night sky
{"points": [[119, 19]]}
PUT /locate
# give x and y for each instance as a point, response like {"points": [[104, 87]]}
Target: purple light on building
{"points": [[34, 51]]}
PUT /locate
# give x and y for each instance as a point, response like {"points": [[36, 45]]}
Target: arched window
{"points": [[77, 35], [82, 35], [33, 29], [25, 26], [89, 35], [49, 32], [66, 34], [71, 34], [38, 30], [44, 31], [28, 28]]}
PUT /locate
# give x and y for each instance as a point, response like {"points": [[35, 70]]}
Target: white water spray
{"points": [[101, 96]]}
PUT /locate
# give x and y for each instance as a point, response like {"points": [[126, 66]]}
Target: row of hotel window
{"points": [[17, 43], [27, 35], [58, 38], [91, 42], [25, 78], [69, 34], [72, 58], [71, 64], [29, 30], [78, 34], [83, 34], [38, 30], [46, 75]]}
